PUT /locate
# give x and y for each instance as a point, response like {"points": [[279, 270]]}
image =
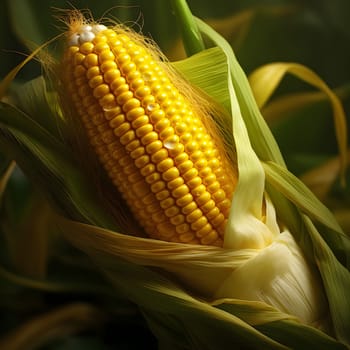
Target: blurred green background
{"points": [[315, 33]]}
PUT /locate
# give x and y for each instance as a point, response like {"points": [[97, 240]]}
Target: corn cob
{"points": [[153, 145]]}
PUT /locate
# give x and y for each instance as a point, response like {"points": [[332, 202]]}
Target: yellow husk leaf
{"points": [[283, 107], [266, 79], [245, 227], [5, 178], [321, 179], [277, 275], [57, 323], [5, 83], [280, 276]]}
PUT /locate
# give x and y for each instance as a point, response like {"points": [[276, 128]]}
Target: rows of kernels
{"points": [[169, 133], [101, 136], [138, 187], [161, 157], [150, 121]]}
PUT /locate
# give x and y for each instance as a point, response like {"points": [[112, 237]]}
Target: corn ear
{"points": [[153, 143]]}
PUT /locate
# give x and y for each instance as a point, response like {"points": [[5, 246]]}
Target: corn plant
{"points": [[162, 194]]}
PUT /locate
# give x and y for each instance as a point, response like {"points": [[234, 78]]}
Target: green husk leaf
{"points": [[299, 194], [175, 258], [123, 259], [292, 188], [335, 275], [191, 36], [14, 118], [187, 311], [253, 312], [260, 135], [308, 237], [34, 99], [301, 337], [43, 159], [143, 286], [208, 71], [336, 279], [285, 329]]}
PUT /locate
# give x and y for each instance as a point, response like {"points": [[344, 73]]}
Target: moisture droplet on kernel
{"points": [[152, 106], [171, 142]]}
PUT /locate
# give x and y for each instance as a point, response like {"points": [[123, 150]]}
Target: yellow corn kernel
{"points": [[152, 143]]}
